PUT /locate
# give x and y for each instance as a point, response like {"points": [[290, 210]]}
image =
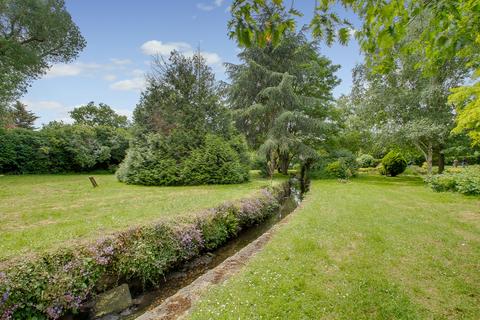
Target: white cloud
{"points": [[52, 110], [212, 58], [63, 70], [137, 73], [209, 7], [154, 47], [134, 84], [70, 70], [110, 77], [121, 61], [43, 105]]}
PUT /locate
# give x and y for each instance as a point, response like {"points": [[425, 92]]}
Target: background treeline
{"points": [[97, 140]]}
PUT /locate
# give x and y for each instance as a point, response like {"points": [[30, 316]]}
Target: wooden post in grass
{"points": [[92, 180]]}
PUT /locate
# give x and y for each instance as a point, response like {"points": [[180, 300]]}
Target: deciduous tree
{"points": [[34, 34]]}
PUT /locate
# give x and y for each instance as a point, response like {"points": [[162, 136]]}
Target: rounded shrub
{"points": [[338, 169], [366, 161], [394, 163]]}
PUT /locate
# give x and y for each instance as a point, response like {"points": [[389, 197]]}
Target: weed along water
{"points": [[142, 302]]}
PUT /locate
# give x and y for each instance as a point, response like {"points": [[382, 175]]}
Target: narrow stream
{"points": [[178, 279]]}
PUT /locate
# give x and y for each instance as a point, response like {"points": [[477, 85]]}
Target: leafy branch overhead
{"points": [[450, 30], [33, 36]]}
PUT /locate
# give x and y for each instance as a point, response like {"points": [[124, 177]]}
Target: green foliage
{"points": [[340, 164], [101, 115], [33, 36], [366, 161], [214, 163], [21, 117], [448, 31], [465, 181], [54, 284], [393, 164], [183, 132], [61, 148], [218, 226], [467, 101], [23, 151], [337, 169], [281, 96], [153, 163]]}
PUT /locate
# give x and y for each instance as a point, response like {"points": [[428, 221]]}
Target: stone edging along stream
{"points": [[68, 280], [180, 304]]}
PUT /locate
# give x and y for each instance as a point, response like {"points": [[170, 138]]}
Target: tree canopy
{"points": [[281, 96], [451, 29], [101, 115], [183, 132], [34, 34]]}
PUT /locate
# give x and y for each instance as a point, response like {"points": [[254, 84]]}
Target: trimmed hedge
{"points": [[54, 284]]}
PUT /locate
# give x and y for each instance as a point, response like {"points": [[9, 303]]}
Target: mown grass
{"points": [[41, 212], [373, 248]]}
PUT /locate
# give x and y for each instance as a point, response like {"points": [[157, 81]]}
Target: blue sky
{"points": [[121, 38]]}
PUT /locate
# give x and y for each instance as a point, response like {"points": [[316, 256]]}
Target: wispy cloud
{"points": [[57, 110], [69, 70], [134, 84], [154, 47], [209, 6], [110, 77], [120, 62]]}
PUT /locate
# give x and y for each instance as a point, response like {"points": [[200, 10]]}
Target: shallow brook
{"points": [[144, 301]]}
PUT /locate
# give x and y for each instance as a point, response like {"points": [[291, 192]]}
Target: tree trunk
{"points": [[303, 178], [441, 162], [284, 162], [429, 159]]}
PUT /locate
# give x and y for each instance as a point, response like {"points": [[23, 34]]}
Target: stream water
{"points": [[174, 281]]}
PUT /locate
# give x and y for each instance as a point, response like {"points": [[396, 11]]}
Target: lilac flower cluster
{"points": [[74, 301], [5, 296], [8, 313], [102, 252], [54, 312], [190, 238]]}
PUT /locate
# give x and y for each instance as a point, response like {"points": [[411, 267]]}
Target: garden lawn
{"points": [[373, 248], [40, 212]]}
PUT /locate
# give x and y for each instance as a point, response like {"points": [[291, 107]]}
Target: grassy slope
{"points": [[39, 212], [375, 248]]}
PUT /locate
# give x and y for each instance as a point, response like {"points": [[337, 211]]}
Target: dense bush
{"points": [[214, 163], [366, 161], [465, 181], [156, 162], [338, 169], [61, 148], [393, 164], [54, 284], [340, 164]]}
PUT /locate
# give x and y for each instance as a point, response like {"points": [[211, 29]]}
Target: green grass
{"points": [[41, 212], [373, 248]]}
